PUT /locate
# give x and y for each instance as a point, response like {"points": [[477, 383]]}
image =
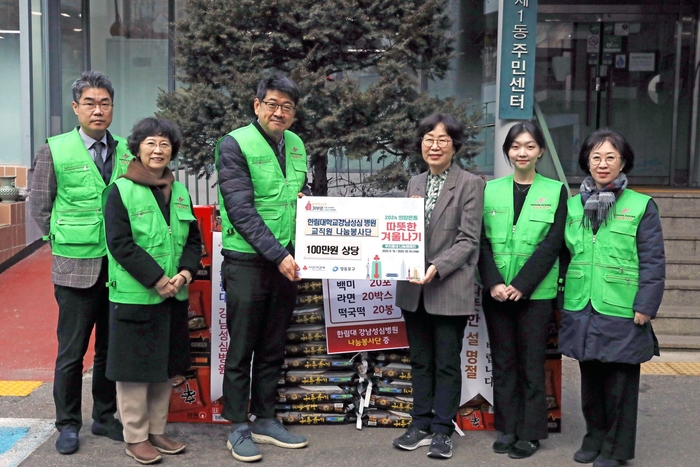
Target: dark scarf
{"points": [[597, 203], [137, 173]]}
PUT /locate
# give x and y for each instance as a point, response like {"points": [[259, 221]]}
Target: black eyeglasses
{"points": [[286, 108], [91, 106]]}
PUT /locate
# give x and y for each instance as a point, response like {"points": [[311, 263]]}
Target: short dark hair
{"points": [[517, 130], [152, 126], [453, 127], [91, 79], [599, 137], [278, 82]]}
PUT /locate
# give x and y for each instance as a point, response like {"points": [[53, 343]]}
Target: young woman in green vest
{"points": [[614, 286], [523, 232], [154, 249]]}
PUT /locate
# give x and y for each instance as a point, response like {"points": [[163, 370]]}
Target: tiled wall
{"points": [[14, 217]]}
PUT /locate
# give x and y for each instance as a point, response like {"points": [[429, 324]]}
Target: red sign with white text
{"points": [[361, 315], [362, 337]]}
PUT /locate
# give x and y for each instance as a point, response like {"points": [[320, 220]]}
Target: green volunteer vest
{"points": [[275, 197], [150, 231], [604, 267], [514, 244], [76, 227]]}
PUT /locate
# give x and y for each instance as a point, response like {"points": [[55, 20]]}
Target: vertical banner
{"points": [[219, 332], [361, 316], [476, 356], [518, 45]]}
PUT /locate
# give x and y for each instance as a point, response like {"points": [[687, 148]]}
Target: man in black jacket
{"points": [[262, 170]]}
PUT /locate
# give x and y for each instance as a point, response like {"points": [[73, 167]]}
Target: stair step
{"points": [[684, 268], [680, 292], [679, 243], [675, 202], [678, 320], [672, 342], [685, 221]]}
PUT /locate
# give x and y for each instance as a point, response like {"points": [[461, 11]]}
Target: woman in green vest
{"points": [[523, 232], [154, 249], [614, 286]]}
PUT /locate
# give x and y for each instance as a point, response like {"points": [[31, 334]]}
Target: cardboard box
{"points": [[475, 418], [553, 388], [190, 401], [477, 414], [205, 218]]}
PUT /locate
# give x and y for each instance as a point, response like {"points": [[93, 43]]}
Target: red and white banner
{"points": [[361, 315]]}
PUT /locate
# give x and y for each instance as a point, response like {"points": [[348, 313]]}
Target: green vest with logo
{"points": [[604, 266], [514, 244], [150, 231], [76, 227], [275, 197]]}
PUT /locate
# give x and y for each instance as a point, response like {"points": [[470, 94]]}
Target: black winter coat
{"points": [[588, 335], [147, 343]]}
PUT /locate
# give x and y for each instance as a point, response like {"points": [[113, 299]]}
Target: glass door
{"points": [[618, 71]]}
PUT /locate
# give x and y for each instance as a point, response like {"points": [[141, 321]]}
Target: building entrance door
{"points": [[629, 72]]}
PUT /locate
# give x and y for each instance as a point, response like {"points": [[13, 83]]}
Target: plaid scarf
{"points": [[597, 203]]}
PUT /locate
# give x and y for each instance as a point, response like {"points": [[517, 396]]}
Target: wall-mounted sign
{"points": [[645, 61], [518, 39]]}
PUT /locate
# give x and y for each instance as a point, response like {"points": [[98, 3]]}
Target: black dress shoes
{"points": [[68, 442], [112, 430]]}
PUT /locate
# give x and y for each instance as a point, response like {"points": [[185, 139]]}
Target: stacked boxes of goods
{"points": [[315, 388], [388, 398], [190, 399]]}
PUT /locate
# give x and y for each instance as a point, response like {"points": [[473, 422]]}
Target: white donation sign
{"points": [[360, 238]]}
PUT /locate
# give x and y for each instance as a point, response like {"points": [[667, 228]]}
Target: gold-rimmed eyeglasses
{"points": [[152, 145], [442, 142], [609, 160]]}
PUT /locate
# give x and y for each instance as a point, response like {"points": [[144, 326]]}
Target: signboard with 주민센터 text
{"points": [[518, 45], [360, 238]]}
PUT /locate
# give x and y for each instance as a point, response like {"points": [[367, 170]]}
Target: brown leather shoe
{"points": [[143, 453], [166, 445]]}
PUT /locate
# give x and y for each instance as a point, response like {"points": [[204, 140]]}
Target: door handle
{"points": [[601, 83]]}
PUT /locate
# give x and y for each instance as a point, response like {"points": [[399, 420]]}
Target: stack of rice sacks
{"points": [[315, 387], [388, 396]]}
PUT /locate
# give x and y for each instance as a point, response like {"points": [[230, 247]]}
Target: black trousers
{"points": [[435, 345], [609, 399], [518, 338], [79, 310], [259, 305]]}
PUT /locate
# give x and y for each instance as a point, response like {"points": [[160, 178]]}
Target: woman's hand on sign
{"points": [[429, 275]]}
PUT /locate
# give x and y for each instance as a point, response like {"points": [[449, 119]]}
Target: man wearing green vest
{"points": [[70, 173], [262, 170]]}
